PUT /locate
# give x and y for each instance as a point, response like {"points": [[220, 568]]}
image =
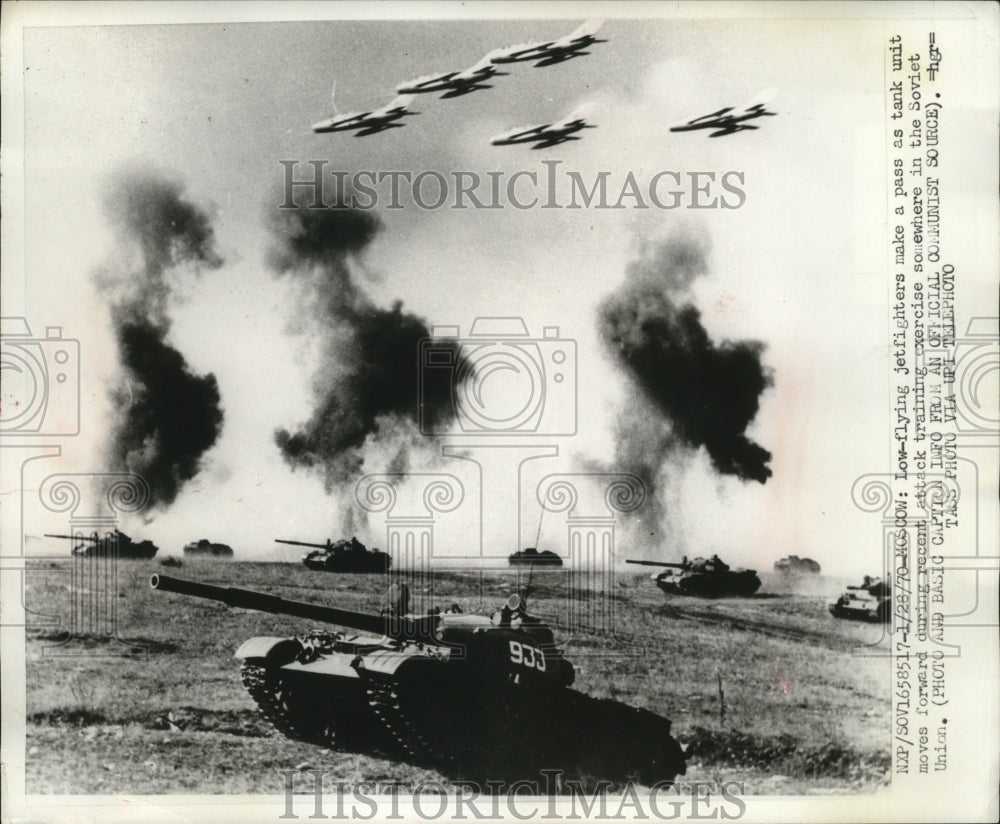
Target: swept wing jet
{"points": [[377, 120], [550, 52], [546, 135], [454, 84], [726, 121]]}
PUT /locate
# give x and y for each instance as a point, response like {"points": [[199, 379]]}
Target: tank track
{"points": [[264, 685], [384, 700], [652, 753]]}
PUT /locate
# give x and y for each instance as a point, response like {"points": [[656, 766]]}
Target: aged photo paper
{"points": [[449, 411]]}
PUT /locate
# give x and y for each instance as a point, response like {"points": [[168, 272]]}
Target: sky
{"points": [[210, 110]]}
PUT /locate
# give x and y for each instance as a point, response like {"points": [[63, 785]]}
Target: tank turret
{"points": [[530, 556], [114, 542], [208, 549], [792, 565], [872, 601], [343, 556], [704, 577]]}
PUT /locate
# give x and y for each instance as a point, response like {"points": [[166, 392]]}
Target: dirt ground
{"points": [[769, 691]]}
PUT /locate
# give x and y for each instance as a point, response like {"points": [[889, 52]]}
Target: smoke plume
{"points": [[170, 415], [694, 392], [166, 416], [367, 387]]}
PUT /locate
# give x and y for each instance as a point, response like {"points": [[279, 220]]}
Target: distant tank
{"points": [[794, 565], [204, 548], [704, 577], [92, 545], [872, 601], [467, 694], [532, 557], [343, 556]]}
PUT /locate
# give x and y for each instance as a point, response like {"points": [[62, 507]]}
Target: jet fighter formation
{"points": [[725, 121], [459, 83]]}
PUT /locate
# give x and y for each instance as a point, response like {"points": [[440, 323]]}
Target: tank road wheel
{"points": [[274, 698], [394, 704]]}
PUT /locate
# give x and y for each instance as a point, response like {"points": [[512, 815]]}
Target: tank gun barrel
{"points": [[301, 543], [656, 563], [81, 537], [394, 626]]}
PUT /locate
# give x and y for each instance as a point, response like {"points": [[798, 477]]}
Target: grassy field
{"points": [[764, 690]]}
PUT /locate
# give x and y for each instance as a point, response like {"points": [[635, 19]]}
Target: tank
{"points": [[532, 557], [469, 695], [207, 549], [704, 577], [343, 556], [794, 565], [92, 545], [872, 601]]}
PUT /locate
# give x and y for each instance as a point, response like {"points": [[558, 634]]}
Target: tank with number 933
{"points": [[466, 694]]}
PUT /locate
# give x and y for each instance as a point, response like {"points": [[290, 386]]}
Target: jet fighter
{"points": [[726, 121], [546, 135], [550, 52], [371, 122], [454, 84]]}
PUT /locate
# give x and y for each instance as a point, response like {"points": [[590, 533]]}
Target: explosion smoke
{"points": [[171, 416], [166, 416], [367, 383], [694, 392], [161, 231]]}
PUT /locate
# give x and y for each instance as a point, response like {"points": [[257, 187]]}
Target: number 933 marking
{"points": [[527, 656]]}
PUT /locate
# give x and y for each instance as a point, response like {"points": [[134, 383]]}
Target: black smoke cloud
{"points": [[367, 383], [694, 392], [160, 231], [166, 417], [170, 415]]}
